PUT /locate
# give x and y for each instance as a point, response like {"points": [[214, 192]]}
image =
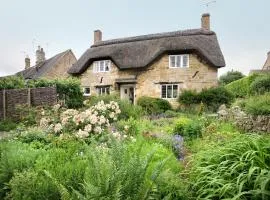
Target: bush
{"points": [[12, 82], [230, 77], [241, 87], [154, 105], [7, 125], [214, 97], [188, 128], [260, 85], [129, 127], [240, 169], [258, 105]]}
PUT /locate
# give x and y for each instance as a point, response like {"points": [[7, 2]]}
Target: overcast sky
{"points": [[242, 26]]}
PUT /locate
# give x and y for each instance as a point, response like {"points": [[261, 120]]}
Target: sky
{"points": [[242, 26]]}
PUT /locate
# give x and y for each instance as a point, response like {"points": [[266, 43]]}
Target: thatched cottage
{"points": [[52, 68], [156, 65]]}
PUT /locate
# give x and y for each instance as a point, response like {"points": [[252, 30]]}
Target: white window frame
{"points": [[166, 85], [106, 91], [181, 58], [97, 66], [86, 94]]}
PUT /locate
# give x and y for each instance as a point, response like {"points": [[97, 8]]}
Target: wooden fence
{"points": [[11, 99]]}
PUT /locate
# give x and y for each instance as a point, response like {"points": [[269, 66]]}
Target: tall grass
{"points": [[238, 170]]}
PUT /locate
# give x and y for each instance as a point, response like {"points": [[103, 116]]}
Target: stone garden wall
{"points": [[244, 121]]}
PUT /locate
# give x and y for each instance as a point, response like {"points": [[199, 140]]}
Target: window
{"points": [[169, 91], [179, 61], [86, 91], [103, 90], [102, 66]]}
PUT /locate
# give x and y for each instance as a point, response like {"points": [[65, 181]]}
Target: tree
{"points": [[230, 77]]}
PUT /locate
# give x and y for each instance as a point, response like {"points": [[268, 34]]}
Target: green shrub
{"points": [[188, 97], [258, 105], [240, 169], [129, 127], [32, 185], [15, 157], [214, 97], [260, 85], [230, 77], [153, 105], [12, 82], [241, 87], [7, 125], [188, 128]]}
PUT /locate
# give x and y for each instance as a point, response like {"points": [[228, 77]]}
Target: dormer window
{"points": [[179, 61], [102, 66]]}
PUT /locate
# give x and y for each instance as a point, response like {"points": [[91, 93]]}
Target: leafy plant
{"points": [[188, 128], [230, 77], [260, 85], [153, 105], [258, 105], [7, 125], [238, 170]]}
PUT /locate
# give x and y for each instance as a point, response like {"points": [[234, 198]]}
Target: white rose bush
{"points": [[83, 124]]}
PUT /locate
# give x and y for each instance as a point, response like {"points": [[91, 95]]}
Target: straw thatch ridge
{"points": [[141, 51]]}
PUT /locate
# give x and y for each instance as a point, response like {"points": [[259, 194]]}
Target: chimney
{"points": [[40, 55], [27, 62], [97, 36], [206, 21], [266, 65]]}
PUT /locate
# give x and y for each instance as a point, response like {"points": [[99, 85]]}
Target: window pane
{"points": [[95, 67], [178, 61], [101, 66], [87, 90], [175, 91], [107, 90], [172, 61], [169, 91], [163, 91], [185, 60], [107, 65]]}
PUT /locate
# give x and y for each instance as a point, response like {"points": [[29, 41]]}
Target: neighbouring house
{"points": [[266, 67], [52, 68], [156, 65]]}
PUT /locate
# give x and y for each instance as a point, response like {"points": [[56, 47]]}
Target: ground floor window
{"points": [[86, 91], [169, 91], [103, 90]]}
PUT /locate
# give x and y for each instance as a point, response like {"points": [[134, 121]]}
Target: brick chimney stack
{"points": [[40, 56], [27, 62], [97, 36], [206, 21]]}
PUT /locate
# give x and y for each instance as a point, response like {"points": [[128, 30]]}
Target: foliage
{"points": [[258, 105], [237, 170], [12, 82], [15, 157], [7, 125], [188, 128], [241, 87], [230, 77], [129, 127], [153, 105], [260, 85], [212, 98]]}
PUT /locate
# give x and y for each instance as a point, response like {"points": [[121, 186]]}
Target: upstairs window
{"points": [[179, 61], [169, 91], [102, 66], [103, 90]]}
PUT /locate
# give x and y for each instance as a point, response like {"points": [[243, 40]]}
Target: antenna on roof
{"points": [[207, 3]]}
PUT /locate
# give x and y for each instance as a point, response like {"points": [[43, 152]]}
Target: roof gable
{"points": [[140, 51]]}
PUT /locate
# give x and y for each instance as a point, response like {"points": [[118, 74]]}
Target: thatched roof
{"points": [[38, 71], [140, 51]]}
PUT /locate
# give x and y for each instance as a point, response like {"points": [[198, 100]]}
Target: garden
{"points": [[105, 148]]}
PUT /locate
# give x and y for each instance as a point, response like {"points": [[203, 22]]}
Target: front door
{"points": [[127, 92]]}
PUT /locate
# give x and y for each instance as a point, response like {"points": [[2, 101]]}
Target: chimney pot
{"points": [[97, 36], [40, 56], [27, 62], [206, 21]]}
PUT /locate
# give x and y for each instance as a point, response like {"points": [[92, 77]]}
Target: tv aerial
{"points": [[207, 3]]}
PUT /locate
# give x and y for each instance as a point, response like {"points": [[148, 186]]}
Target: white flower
{"points": [[98, 130], [126, 127], [132, 139], [82, 134], [44, 123], [88, 128], [102, 120], [116, 135], [118, 111], [112, 115], [56, 107], [93, 119], [57, 128]]}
